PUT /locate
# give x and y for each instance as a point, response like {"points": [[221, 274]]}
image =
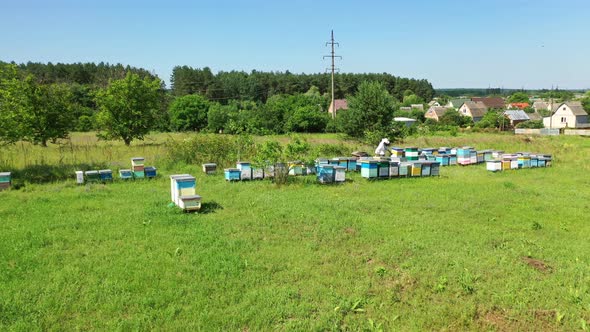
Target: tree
{"points": [[128, 107], [189, 113], [586, 102], [519, 97], [411, 99], [371, 109], [11, 104], [47, 113], [308, 119]]}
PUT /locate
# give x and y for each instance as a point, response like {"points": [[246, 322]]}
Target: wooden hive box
{"points": [[125, 174], [435, 169], [190, 202], [426, 168], [295, 167], [487, 155], [411, 153], [5, 180], [326, 173], [173, 191], [209, 168], [151, 172], [79, 177], [443, 159], [534, 160], [137, 161], [339, 174], [351, 164], [473, 157], [269, 171], [369, 169], [416, 169], [494, 165], [185, 186], [383, 169], [245, 170], [257, 173], [92, 176], [397, 152], [452, 159], [405, 169], [106, 175], [393, 169], [232, 174]]}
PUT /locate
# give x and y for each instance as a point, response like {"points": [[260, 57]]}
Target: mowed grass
{"points": [[470, 250]]}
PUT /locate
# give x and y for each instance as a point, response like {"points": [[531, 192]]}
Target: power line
{"points": [[333, 69]]}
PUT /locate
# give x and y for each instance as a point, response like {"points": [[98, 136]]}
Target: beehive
{"points": [[269, 171], [137, 161], [494, 165], [479, 157], [534, 160], [497, 154], [411, 153], [435, 169], [416, 169], [488, 155], [426, 167], [369, 168], [92, 176], [473, 157], [393, 169], [326, 173], [405, 169], [125, 174], [106, 175], [351, 164], [137, 164], [464, 155], [444, 150], [185, 186], [524, 161], [542, 162], [79, 177], [232, 174], [257, 173], [383, 169], [505, 164], [452, 159], [397, 152], [443, 159], [5, 180], [296, 167], [209, 168], [245, 170], [190, 202], [151, 172], [173, 185], [339, 174]]}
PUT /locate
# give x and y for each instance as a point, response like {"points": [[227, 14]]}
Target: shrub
{"points": [[532, 124]]}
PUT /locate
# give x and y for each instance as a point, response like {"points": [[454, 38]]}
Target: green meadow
{"points": [[469, 250]]}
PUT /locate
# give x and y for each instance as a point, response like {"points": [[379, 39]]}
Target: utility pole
{"points": [[333, 69]]}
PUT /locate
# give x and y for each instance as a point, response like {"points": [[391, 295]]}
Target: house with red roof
{"points": [[341, 104]]}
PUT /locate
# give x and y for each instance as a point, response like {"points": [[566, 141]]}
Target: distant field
{"points": [[471, 250]]}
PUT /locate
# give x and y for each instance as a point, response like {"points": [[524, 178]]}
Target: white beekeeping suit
{"points": [[382, 147]]}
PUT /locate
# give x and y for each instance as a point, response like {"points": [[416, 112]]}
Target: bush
{"points": [[532, 124], [220, 149]]}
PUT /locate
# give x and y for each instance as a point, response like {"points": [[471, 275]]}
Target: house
{"points": [[520, 106], [433, 103], [341, 104], [456, 103], [570, 114], [540, 105], [490, 102], [407, 121], [417, 107], [535, 116], [435, 112], [473, 109], [405, 109], [516, 116]]}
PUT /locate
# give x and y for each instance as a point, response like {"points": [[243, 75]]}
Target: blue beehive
{"points": [[405, 169], [150, 172], [534, 160], [125, 174], [326, 173], [487, 155], [426, 166], [351, 164], [369, 169], [5, 180], [106, 175], [245, 169], [92, 176], [383, 169], [452, 159], [435, 169], [443, 159], [232, 174]]}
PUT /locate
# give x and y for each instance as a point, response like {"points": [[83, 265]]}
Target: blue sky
{"points": [[455, 43]]}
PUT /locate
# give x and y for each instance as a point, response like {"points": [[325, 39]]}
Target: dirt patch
{"points": [[350, 230], [537, 264], [497, 320]]}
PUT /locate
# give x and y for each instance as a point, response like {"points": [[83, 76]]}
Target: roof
{"points": [[540, 105], [405, 108], [341, 104], [457, 102], [535, 116], [438, 110], [433, 103], [516, 115], [490, 102], [477, 109], [417, 106], [402, 119], [520, 105], [575, 106]]}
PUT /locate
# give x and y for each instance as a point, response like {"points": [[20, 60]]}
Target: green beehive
{"points": [[5, 180]]}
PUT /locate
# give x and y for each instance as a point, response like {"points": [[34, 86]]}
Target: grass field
{"points": [[470, 250]]}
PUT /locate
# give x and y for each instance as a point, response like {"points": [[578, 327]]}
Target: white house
{"points": [[570, 114], [473, 109]]}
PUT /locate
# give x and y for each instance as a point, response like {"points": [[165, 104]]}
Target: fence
{"points": [[544, 131], [578, 132]]}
